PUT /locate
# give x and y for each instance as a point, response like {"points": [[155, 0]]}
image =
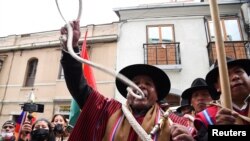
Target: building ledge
{"points": [[176, 67]]}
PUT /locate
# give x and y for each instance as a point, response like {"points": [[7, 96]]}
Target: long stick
{"points": [[226, 99]]}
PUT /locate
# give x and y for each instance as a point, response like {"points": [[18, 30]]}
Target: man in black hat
{"points": [[199, 94], [184, 108], [8, 131], [197, 97], [102, 118], [239, 80]]}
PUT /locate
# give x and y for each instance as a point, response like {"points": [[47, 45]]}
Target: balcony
{"points": [[233, 49], [163, 55]]}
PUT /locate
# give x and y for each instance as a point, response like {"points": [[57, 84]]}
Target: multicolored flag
{"points": [[74, 108], [21, 119], [19, 122]]}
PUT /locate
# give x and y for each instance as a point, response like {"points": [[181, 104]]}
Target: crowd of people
{"points": [[105, 119], [40, 130]]}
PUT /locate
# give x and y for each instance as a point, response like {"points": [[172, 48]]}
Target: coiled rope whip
{"points": [[136, 126], [102, 68]]}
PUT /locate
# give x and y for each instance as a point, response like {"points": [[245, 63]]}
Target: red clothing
{"points": [[207, 116], [92, 121], [183, 121], [99, 115]]}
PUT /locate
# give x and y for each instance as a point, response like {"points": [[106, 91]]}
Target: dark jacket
{"points": [[75, 81]]}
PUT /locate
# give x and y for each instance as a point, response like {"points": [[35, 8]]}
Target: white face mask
{"points": [[7, 134]]}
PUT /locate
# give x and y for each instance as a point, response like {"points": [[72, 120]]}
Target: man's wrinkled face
{"points": [[239, 83], [146, 84], [199, 99]]}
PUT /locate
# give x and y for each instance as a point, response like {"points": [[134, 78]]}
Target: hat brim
{"points": [[181, 107], [159, 77], [187, 94]]}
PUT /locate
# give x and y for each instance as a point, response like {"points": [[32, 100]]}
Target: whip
{"points": [[102, 68]]}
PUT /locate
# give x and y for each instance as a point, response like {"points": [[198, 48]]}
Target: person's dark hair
{"points": [[64, 118], [51, 134], [65, 134], [9, 122]]}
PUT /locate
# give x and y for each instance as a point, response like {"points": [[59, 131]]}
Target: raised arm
{"points": [[76, 83]]}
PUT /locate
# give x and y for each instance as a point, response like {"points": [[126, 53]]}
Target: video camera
{"points": [[33, 107]]}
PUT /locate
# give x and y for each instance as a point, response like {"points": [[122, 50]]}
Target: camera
{"points": [[58, 129], [32, 107]]}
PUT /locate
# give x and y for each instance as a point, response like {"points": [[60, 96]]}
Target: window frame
{"points": [[159, 53], [30, 80], [223, 28], [160, 35], [61, 73]]}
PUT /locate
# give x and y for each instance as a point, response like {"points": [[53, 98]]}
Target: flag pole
{"points": [[226, 99]]}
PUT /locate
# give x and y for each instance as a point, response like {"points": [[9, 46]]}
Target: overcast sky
{"points": [[29, 16]]}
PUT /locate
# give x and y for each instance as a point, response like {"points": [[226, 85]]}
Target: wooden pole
{"points": [[225, 97]]}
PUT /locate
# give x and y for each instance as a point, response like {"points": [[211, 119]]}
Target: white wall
{"points": [[189, 31]]}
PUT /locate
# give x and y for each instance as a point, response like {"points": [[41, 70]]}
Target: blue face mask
{"points": [[40, 134]]}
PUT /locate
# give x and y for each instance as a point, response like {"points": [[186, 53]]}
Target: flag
{"points": [[87, 71], [19, 124], [74, 113], [21, 119]]}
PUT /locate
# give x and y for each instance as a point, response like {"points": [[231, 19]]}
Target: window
{"points": [[160, 34], [161, 48], [235, 47], [61, 73], [230, 30], [31, 72], [15, 117], [1, 65], [63, 109], [2, 58]]}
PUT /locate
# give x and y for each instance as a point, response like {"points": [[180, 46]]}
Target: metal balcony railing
{"points": [[162, 53], [233, 49]]}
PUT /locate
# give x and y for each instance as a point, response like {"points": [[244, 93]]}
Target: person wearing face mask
{"points": [[42, 131], [60, 123], [8, 131]]}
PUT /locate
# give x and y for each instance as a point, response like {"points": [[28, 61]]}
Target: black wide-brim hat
{"points": [[179, 109], [159, 77], [212, 75], [184, 103], [199, 84]]}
